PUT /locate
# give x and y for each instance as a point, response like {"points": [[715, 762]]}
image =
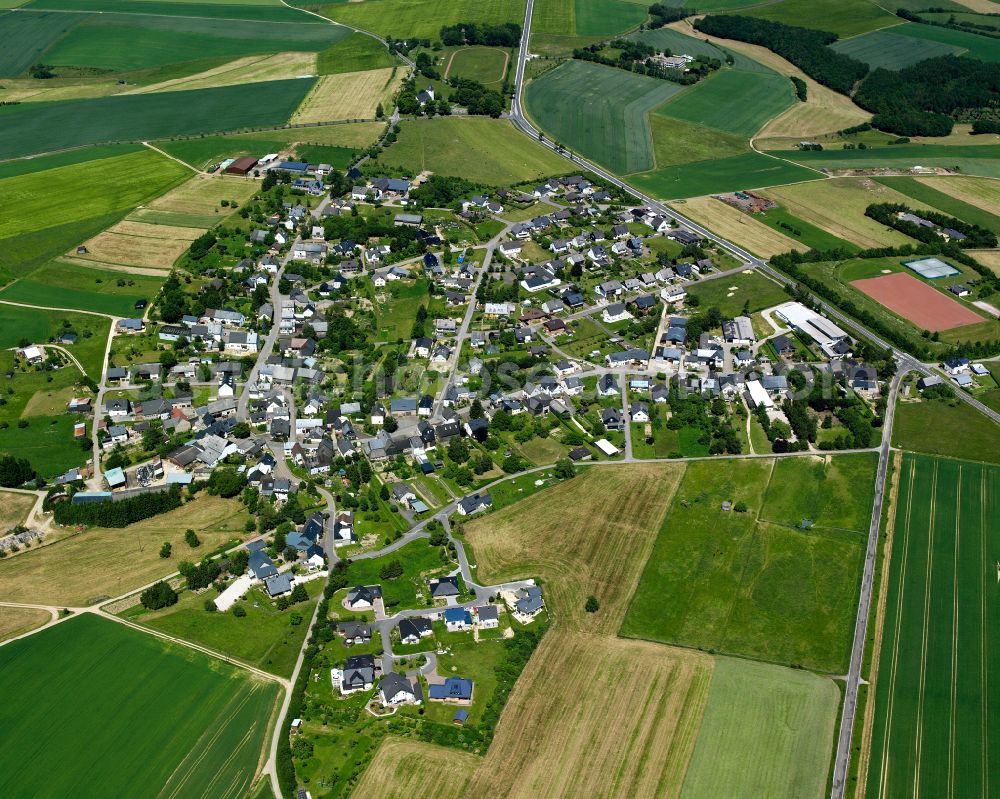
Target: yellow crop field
{"points": [[990, 258], [203, 194], [403, 768], [739, 227], [17, 621], [101, 562], [15, 507], [349, 95], [838, 206], [144, 246], [252, 69]]}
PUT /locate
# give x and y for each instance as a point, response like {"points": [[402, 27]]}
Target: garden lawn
{"points": [[266, 637], [483, 150], [42, 127], [420, 560], [599, 111], [38, 326], [747, 171], [138, 715], [729, 582]]}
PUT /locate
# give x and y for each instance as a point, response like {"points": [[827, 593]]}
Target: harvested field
{"points": [[577, 547], [838, 207], [739, 227], [104, 562], [252, 69], [17, 621], [908, 297], [144, 246], [990, 258], [14, 506], [203, 195], [982, 192], [643, 704], [403, 768], [349, 95]]}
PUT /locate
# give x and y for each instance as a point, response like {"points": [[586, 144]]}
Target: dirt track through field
{"points": [[906, 296]]}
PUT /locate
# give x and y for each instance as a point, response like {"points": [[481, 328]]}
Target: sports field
{"points": [[762, 96], [838, 207], [135, 714], [422, 19], [766, 731], [740, 583], [599, 111], [479, 149], [747, 171], [485, 64], [888, 50], [935, 692], [43, 127], [843, 17], [349, 95], [914, 300], [105, 563]]}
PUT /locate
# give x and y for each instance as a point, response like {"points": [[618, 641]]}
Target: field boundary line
{"points": [[954, 640], [64, 310], [884, 765], [172, 158], [928, 579], [867, 724]]}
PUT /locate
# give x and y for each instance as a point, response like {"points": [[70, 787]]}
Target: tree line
{"points": [[976, 237], [117, 514], [506, 34]]}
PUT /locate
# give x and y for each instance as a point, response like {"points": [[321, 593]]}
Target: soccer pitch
{"points": [[937, 693]]}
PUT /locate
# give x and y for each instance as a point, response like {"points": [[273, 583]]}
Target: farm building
{"points": [[241, 166]]}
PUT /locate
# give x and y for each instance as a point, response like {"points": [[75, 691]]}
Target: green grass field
{"points": [[40, 163], [337, 157], [396, 317], [43, 127], [482, 150], [137, 715], [843, 17], [419, 558], [732, 583], [972, 159], [17, 323], [485, 64], [679, 142], [760, 717], [889, 50], [747, 171], [759, 291], [47, 442], [599, 111], [28, 36], [808, 234], [607, 17], [237, 11], [943, 202], [121, 42], [981, 47], [710, 102], [422, 19], [937, 427], [83, 288], [936, 695], [356, 53]]}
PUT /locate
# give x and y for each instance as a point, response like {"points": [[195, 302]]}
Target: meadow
{"points": [[404, 767], [28, 36], [34, 324], [104, 563], [203, 195], [678, 142], [15, 507], [138, 245], [354, 53], [838, 207], [732, 583], [138, 715], [731, 294], [747, 171], [599, 111], [422, 19], [759, 715], [971, 159], [763, 95], [483, 150], [397, 315], [949, 428], [934, 699], [122, 42], [42, 127], [78, 287], [843, 17], [266, 637], [485, 64], [888, 50], [79, 191], [950, 195], [607, 17], [349, 95], [806, 234], [240, 10]]}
